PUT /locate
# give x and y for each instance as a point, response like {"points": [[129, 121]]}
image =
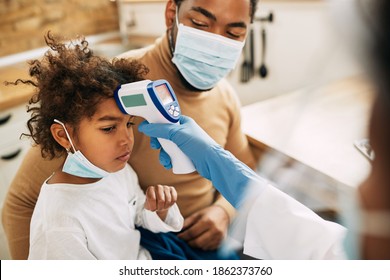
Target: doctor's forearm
{"points": [[229, 176]]}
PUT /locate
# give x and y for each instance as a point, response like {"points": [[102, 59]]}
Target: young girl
{"points": [[91, 207]]}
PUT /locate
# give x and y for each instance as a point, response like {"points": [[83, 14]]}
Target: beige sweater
{"points": [[216, 111]]}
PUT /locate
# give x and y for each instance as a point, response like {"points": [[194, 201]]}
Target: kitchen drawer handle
{"points": [[11, 155], [5, 119]]}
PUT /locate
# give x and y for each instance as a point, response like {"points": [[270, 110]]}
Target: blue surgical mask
{"points": [[204, 58], [78, 165]]}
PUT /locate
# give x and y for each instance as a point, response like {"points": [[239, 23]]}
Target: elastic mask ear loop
{"points": [[170, 33], [67, 134], [177, 17]]}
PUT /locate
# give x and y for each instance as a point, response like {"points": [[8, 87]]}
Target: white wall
{"points": [[302, 47]]}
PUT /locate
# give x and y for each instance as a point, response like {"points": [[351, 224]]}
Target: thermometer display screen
{"points": [[164, 94]]}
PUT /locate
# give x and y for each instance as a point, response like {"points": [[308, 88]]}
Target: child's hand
{"points": [[159, 198]]}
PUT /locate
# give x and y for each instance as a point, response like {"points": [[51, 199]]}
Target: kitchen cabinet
{"points": [[146, 1], [12, 150]]}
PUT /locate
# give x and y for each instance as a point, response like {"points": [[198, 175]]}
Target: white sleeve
{"points": [[279, 227], [151, 221], [61, 244], [173, 221]]}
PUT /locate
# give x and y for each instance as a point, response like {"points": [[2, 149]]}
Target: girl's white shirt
{"points": [[95, 221]]}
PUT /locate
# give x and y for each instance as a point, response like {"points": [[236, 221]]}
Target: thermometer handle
{"points": [[181, 164]]}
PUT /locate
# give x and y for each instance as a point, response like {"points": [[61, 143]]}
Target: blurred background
{"points": [[298, 40], [305, 100]]}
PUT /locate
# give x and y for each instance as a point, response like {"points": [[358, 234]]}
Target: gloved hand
{"points": [[229, 175], [164, 158], [181, 135]]}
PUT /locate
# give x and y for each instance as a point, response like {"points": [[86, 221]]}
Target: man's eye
{"points": [[130, 124], [199, 23], [234, 36]]}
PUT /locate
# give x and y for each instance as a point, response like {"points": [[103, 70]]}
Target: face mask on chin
{"points": [[78, 165], [204, 58]]}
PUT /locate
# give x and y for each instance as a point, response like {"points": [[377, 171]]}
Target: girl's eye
{"points": [[130, 122], [108, 129]]}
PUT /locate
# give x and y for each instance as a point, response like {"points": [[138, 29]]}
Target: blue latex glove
{"points": [[164, 158], [230, 176]]}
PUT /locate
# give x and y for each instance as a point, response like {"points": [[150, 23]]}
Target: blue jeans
{"points": [[167, 246]]}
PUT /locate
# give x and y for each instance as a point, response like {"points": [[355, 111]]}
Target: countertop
{"points": [[11, 95], [317, 127]]}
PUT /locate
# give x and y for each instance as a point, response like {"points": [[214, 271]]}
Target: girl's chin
{"points": [[119, 167]]}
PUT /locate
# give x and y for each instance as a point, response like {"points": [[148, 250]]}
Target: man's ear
{"points": [[170, 14], [59, 135]]}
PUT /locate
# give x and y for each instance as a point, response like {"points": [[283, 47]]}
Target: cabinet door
{"points": [[10, 160], [12, 151], [13, 115], [4, 253]]}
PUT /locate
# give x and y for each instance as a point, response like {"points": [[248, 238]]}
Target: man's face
{"points": [[229, 18]]}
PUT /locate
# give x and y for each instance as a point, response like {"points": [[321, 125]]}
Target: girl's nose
{"points": [[127, 136]]}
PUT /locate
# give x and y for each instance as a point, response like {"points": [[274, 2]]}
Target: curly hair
{"points": [[253, 6], [70, 82]]}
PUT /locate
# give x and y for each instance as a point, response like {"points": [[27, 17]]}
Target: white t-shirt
{"points": [[95, 221]]}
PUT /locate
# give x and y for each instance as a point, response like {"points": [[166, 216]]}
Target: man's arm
{"points": [[21, 199]]}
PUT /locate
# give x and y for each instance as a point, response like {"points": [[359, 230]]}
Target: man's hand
{"points": [[206, 228], [160, 198]]}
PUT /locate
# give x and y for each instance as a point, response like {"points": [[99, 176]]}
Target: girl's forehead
{"points": [[107, 107]]}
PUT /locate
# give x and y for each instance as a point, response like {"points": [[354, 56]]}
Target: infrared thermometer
{"points": [[156, 102]]}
